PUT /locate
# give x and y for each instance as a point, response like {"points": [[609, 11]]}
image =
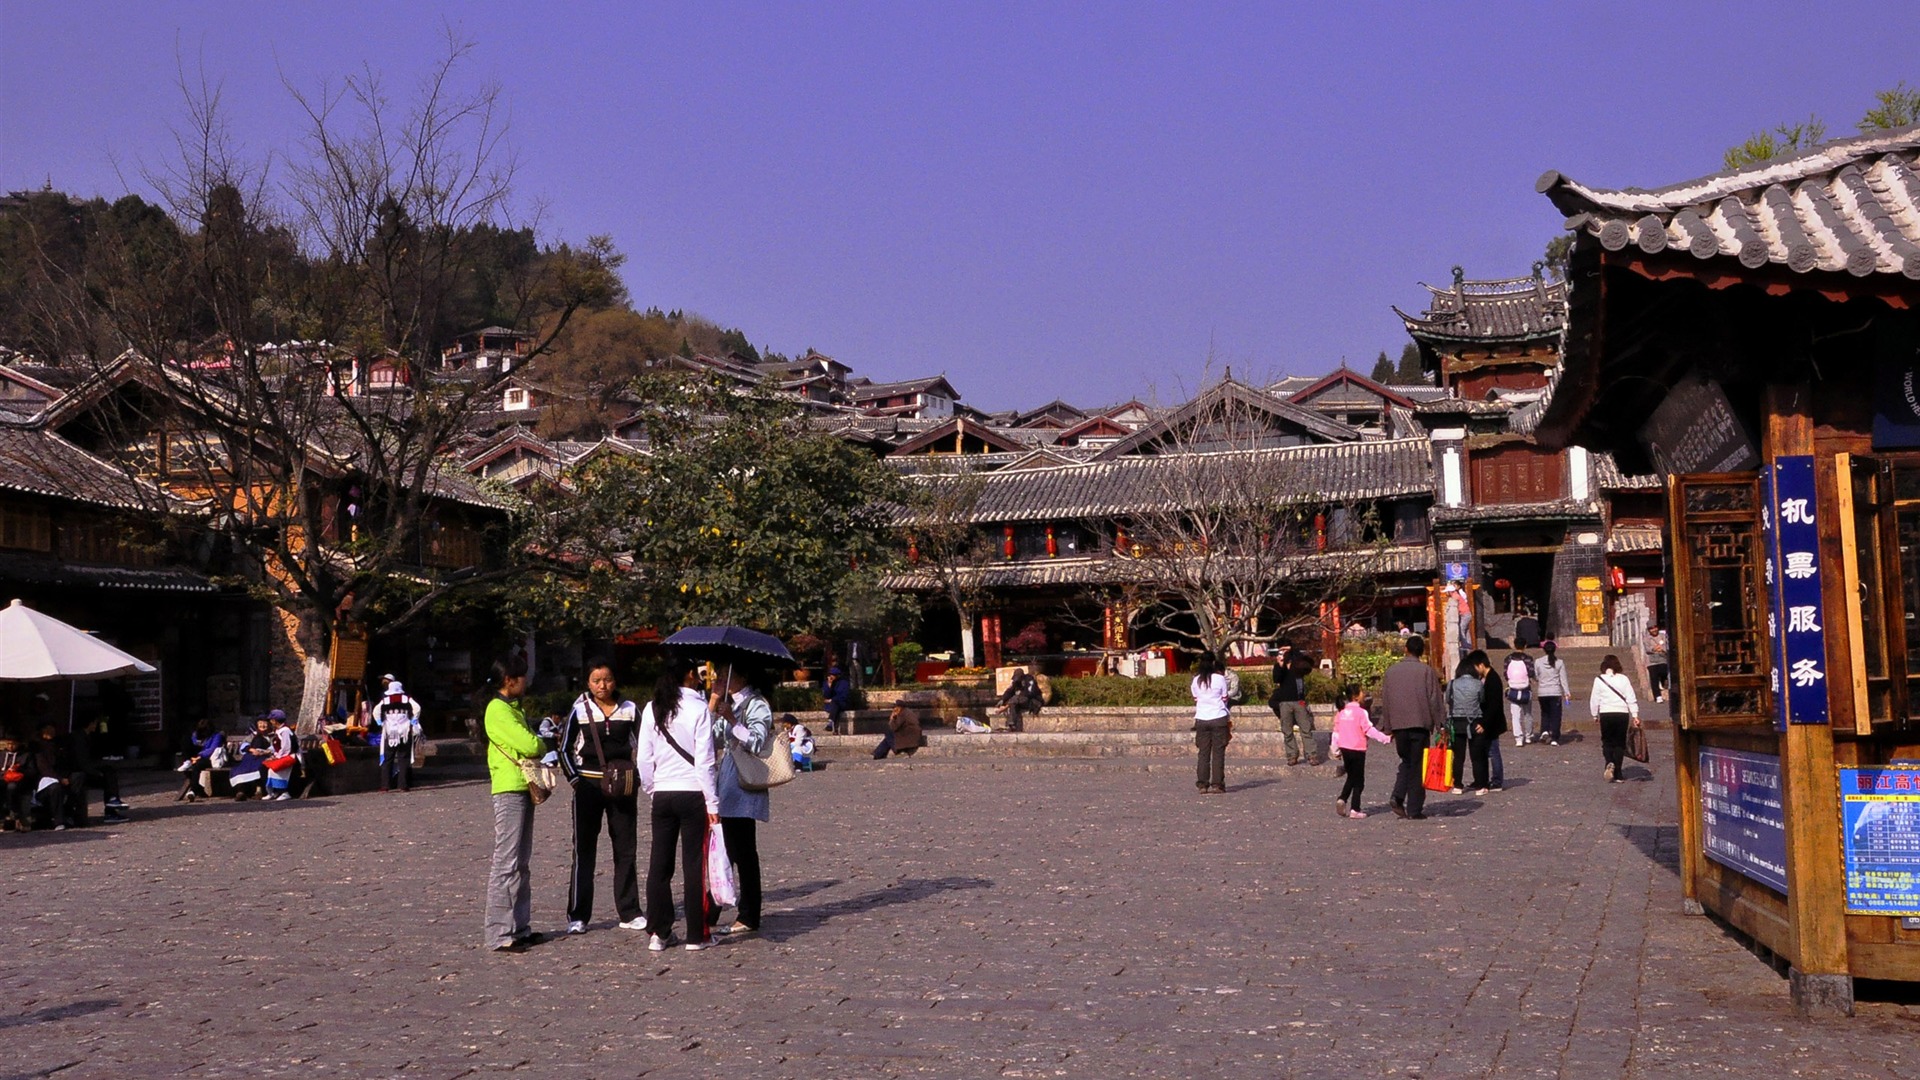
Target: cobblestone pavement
{"points": [[1009, 919]]}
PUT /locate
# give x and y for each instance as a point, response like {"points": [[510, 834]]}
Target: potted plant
{"points": [[807, 651]]}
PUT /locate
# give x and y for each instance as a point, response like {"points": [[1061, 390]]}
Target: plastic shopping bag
{"points": [[1437, 769], [720, 883]]}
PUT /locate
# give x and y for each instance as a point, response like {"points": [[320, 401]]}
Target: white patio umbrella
{"points": [[40, 648]]}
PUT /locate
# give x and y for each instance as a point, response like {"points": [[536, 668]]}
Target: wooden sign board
{"points": [[349, 657], [1694, 430]]}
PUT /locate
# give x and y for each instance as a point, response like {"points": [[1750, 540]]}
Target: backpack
{"points": [[1234, 696], [1463, 697], [396, 722]]}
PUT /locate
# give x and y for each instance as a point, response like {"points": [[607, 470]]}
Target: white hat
{"points": [[394, 689]]}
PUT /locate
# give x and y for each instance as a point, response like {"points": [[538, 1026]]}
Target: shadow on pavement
{"points": [[802, 920], [793, 892], [57, 1012], [1660, 843], [48, 838]]}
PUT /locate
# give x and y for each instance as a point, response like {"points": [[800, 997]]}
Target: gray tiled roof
{"points": [[1850, 206], [1499, 310], [1498, 513], [1608, 477], [1119, 486], [36, 460], [1111, 570], [1634, 539], [42, 571]]}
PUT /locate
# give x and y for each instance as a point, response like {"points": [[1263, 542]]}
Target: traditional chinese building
{"points": [[1528, 524], [1752, 336]]}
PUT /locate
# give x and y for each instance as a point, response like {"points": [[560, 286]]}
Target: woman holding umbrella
{"points": [[741, 717]]}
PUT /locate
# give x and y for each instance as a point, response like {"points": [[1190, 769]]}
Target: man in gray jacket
{"points": [[1411, 706]]}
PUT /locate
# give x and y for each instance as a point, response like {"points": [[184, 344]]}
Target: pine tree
{"points": [[1409, 372], [1382, 369]]}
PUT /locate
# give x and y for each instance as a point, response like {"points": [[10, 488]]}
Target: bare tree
{"points": [[273, 357], [948, 545], [1234, 537]]}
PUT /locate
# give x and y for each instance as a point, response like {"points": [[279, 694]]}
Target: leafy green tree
{"points": [[1557, 255], [1410, 373], [1382, 369], [738, 512], [1783, 141], [1896, 108]]}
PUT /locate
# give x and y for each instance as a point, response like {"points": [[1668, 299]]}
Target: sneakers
{"points": [[1480, 791], [736, 927], [695, 946], [1356, 814], [1340, 808], [116, 804], [1217, 790], [1553, 742], [1456, 791], [1607, 773], [577, 926], [657, 943], [282, 797], [59, 828], [638, 922], [114, 817]]}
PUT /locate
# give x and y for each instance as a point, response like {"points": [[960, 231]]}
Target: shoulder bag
{"points": [[540, 777], [759, 773], [618, 779]]}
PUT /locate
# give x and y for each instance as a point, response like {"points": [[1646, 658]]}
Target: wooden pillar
{"points": [[1810, 783], [990, 640]]}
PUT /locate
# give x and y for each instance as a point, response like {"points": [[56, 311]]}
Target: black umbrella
{"points": [[733, 645]]}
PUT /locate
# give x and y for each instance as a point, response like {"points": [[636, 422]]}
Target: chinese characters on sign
{"points": [[1793, 584], [1743, 827], [1880, 835]]}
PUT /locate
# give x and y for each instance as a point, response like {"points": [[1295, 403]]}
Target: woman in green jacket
{"points": [[509, 892]]}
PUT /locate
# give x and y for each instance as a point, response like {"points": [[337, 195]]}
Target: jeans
{"points": [[590, 805], [1356, 777], [1613, 739], [1210, 737], [1477, 747], [1408, 790], [743, 851], [509, 890], [1499, 767], [678, 816], [1550, 718], [1296, 714]]}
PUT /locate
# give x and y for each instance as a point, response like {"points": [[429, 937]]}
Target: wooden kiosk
{"points": [[1752, 336]]}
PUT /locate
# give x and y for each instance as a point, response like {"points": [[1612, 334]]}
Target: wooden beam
{"points": [[1809, 778], [1850, 589]]}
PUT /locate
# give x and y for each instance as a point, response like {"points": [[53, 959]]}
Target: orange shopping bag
{"points": [[1437, 765]]}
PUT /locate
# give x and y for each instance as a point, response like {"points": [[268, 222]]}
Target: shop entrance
{"points": [[1518, 585]]}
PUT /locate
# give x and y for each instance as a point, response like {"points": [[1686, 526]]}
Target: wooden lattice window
{"points": [[25, 527], [1880, 532], [1723, 658]]}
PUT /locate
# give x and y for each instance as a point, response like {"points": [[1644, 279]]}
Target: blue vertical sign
{"points": [[1796, 623]]}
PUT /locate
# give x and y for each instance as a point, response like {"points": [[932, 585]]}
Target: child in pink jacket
{"points": [[1352, 727]]}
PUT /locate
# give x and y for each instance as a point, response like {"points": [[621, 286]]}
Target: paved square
{"points": [[964, 920]]}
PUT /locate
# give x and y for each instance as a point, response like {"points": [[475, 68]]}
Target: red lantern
{"points": [[1008, 547], [1053, 548], [1503, 583]]}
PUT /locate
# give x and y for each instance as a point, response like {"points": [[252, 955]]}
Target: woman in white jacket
{"points": [[675, 759], [1613, 702]]}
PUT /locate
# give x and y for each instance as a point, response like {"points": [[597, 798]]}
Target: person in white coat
{"points": [[1617, 708], [675, 759]]}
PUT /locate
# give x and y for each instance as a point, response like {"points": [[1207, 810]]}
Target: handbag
{"points": [[758, 773], [1520, 696], [619, 779], [333, 750], [1436, 765], [540, 777], [1637, 743], [284, 762], [720, 883]]}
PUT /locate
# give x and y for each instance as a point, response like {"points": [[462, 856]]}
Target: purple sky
{"points": [[1082, 201]]}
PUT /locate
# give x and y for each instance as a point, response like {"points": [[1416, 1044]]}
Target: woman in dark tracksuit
{"points": [[601, 723]]}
